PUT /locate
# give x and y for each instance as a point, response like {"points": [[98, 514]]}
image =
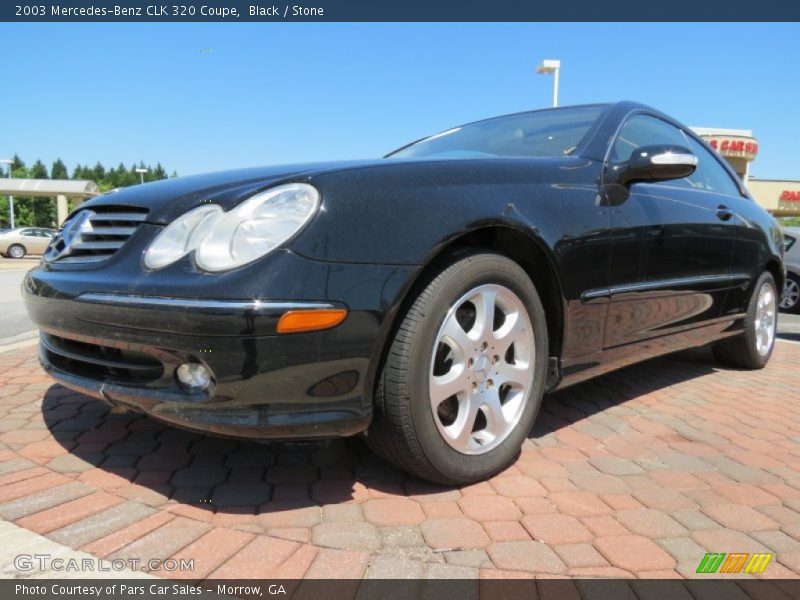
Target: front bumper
{"points": [[111, 342]]}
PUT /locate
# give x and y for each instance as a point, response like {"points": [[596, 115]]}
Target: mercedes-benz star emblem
{"points": [[69, 235]]}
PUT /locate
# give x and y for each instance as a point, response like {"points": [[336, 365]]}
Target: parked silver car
{"points": [[790, 302], [22, 241]]}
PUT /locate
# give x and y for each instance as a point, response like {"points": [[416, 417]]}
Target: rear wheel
{"points": [[464, 376], [790, 300], [16, 251], [753, 348]]}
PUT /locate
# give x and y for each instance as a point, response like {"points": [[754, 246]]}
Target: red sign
{"points": [[734, 146], [790, 196]]}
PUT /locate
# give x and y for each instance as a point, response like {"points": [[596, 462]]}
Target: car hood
{"points": [[167, 199]]}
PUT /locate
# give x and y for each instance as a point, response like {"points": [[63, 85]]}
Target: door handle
{"points": [[724, 213]]}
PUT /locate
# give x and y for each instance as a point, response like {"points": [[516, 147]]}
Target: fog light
{"points": [[194, 376]]}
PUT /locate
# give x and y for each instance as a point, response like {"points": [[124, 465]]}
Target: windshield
{"points": [[556, 132]]}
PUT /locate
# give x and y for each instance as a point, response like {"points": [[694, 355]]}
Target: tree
{"points": [[159, 172], [42, 211], [789, 221], [98, 173], [38, 171], [133, 177], [16, 164], [34, 210], [59, 170], [23, 212]]}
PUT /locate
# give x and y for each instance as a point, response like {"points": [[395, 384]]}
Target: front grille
{"points": [[99, 362], [97, 236]]}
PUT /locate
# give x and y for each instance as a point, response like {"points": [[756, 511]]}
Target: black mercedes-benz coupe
{"points": [[429, 298]]}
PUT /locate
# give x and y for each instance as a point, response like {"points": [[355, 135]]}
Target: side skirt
{"points": [[581, 368]]}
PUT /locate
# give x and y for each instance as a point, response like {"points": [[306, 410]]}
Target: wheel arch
{"points": [[524, 249], [774, 267]]}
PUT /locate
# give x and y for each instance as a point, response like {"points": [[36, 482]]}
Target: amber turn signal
{"points": [[295, 321]]}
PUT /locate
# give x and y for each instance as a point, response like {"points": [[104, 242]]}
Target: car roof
{"points": [[604, 105], [17, 229], [621, 104], [545, 109]]}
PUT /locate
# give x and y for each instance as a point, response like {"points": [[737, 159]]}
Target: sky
{"points": [[207, 97]]}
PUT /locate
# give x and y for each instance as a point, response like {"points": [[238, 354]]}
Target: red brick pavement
{"points": [[636, 474]]}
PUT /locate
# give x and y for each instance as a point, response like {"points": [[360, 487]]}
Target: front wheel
{"points": [[753, 347], [790, 301], [465, 374]]}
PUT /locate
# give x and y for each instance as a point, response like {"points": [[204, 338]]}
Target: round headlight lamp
{"points": [[181, 236], [226, 240], [257, 226]]}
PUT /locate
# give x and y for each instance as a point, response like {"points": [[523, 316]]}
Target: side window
{"points": [[715, 177], [27, 233], [644, 130]]}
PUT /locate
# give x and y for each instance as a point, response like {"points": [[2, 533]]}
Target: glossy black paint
{"points": [[640, 166], [627, 273]]}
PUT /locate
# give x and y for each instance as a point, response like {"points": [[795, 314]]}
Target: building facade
{"points": [[781, 197]]}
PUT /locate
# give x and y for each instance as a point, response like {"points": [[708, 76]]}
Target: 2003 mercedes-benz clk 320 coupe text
{"points": [[429, 298]]}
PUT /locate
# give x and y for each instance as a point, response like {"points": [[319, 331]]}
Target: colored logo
{"points": [[735, 562]]}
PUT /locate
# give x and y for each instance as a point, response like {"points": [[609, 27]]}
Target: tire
{"points": [[16, 251], [753, 347], [790, 299], [406, 429]]}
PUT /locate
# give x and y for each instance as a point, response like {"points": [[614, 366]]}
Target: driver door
{"points": [[671, 246]]}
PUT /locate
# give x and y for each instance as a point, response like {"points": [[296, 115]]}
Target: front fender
{"points": [[402, 214]]}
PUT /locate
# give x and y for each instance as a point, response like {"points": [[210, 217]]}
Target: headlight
{"points": [[257, 226], [226, 240], [181, 236]]}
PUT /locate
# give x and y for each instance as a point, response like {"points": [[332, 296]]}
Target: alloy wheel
{"points": [[16, 252], [791, 294], [481, 369], [765, 321]]}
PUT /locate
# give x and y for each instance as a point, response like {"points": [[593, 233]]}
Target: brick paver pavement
{"points": [[638, 474]]}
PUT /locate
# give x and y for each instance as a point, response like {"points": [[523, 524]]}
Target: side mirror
{"points": [[660, 162]]}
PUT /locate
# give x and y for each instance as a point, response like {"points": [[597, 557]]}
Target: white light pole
{"points": [[141, 173], [551, 66], [9, 162]]}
